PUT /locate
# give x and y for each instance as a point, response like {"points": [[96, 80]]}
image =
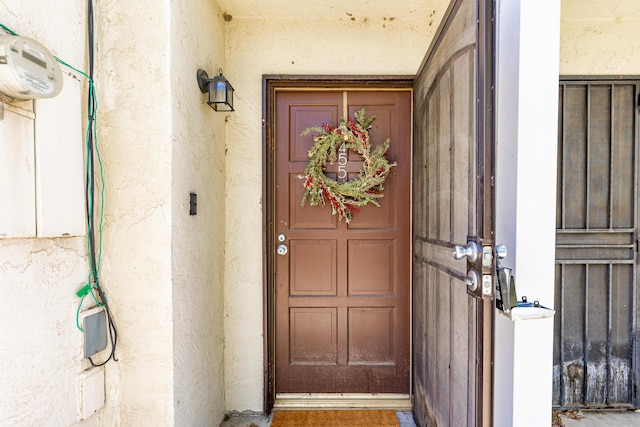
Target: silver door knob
{"points": [[472, 280], [471, 251], [282, 250]]}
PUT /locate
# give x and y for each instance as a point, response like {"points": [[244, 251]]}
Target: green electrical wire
{"points": [[8, 30], [78, 314]]}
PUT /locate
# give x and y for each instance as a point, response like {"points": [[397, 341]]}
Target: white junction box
{"points": [[92, 392]]}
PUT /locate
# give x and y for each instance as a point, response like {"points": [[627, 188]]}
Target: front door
{"points": [[341, 291], [453, 151]]}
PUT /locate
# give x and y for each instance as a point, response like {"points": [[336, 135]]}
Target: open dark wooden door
{"points": [[453, 200], [341, 291]]}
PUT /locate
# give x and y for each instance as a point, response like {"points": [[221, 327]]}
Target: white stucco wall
{"points": [[134, 126], [197, 242], [600, 38], [40, 347], [255, 47], [164, 267]]}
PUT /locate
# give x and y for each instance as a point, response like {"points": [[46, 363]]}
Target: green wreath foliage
{"points": [[348, 197]]}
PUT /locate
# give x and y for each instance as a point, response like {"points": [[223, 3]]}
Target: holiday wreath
{"points": [[331, 145]]}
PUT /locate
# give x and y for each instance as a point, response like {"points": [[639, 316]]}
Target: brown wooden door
{"points": [[342, 290], [453, 149]]}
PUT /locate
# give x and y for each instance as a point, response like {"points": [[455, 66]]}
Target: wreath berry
{"points": [[347, 197]]}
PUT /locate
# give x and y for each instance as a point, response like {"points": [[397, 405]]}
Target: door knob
{"points": [[282, 250], [471, 251], [472, 280]]}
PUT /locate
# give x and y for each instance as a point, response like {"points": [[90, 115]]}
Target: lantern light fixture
{"points": [[220, 91]]}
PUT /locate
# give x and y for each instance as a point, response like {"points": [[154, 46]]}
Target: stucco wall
{"points": [[197, 242], [600, 37], [164, 266], [162, 269], [255, 47], [135, 102], [40, 347]]}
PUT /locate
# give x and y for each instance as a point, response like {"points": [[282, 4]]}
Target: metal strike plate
{"points": [[487, 285], [487, 256]]}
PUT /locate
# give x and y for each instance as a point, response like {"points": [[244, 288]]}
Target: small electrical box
{"points": [[95, 331], [27, 69]]}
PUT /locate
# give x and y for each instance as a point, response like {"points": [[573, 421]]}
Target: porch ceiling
{"points": [[331, 9]]}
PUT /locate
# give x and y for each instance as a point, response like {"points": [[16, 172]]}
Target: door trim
{"points": [[270, 85], [392, 401]]}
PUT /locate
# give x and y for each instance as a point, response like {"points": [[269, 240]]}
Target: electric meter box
{"points": [[27, 69]]}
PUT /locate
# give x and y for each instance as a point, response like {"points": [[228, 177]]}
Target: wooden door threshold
{"points": [[394, 401]]}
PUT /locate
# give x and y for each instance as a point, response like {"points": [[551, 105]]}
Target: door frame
{"points": [[270, 84]]}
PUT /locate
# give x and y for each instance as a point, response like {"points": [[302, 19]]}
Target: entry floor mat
{"points": [[338, 418]]}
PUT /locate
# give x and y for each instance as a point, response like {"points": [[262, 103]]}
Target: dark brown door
{"points": [[452, 326], [342, 290], [596, 352]]}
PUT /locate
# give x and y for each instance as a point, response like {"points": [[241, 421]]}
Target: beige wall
{"points": [[162, 269], [283, 46], [600, 37], [197, 249], [135, 124], [162, 265]]}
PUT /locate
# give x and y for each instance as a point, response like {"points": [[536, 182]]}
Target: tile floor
{"points": [[603, 419]]}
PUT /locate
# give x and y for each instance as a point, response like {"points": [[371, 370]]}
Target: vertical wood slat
{"points": [[588, 161], [562, 159], [585, 353], [611, 139], [608, 328]]}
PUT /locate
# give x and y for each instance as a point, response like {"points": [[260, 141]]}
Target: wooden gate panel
{"points": [[447, 321], [595, 352]]}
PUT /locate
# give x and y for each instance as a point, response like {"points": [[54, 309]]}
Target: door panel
{"points": [[452, 328], [595, 353], [342, 290]]}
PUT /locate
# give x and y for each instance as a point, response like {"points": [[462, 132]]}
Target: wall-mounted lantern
{"points": [[220, 91]]}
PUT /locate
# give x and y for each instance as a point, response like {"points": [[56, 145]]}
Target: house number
{"points": [[342, 163]]}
